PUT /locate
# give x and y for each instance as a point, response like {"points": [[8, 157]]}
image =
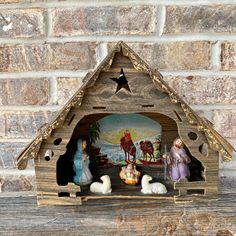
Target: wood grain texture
{"points": [[101, 100], [21, 216], [149, 96]]}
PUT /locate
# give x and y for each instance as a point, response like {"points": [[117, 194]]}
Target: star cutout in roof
{"points": [[122, 82]]}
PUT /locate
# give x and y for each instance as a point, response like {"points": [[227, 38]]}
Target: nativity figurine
{"points": [[129, 174], [82, 175], [179, 168], [104, 187], [152, 188]]}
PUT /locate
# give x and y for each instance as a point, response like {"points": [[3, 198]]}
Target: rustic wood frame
{"points": [[96, 96]]}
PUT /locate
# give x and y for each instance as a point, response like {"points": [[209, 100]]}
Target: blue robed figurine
{"points": [[83, 175]]}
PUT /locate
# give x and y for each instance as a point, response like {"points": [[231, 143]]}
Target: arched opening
{"points": [[196, 168], [101, 161]]}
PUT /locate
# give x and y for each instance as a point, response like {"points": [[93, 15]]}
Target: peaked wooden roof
{"points": [[216, 141]]}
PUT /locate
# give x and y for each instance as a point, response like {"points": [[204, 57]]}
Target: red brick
{"points": [[200, 19], [175, 55], [48, 56], [204, 90], [225, 122], [8, 153], [228, 56], [22, 23], [66, 88], [135, 20], [24, 91], [14, 183], [25, 124]]}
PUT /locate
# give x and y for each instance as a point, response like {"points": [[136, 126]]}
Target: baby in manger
{"points": [[129, 174]]}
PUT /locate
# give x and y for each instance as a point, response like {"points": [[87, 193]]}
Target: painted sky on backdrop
{"points": [[118, 121], [112, 127]]}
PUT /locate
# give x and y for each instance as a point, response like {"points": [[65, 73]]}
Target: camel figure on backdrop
{"points": [[147, 148]]}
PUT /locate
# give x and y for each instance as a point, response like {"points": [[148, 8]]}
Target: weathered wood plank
{"points": [[21, 216], [59, 201]]}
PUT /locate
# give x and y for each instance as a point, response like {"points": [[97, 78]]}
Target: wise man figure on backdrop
{"points": [[127, 135], [179, 168]]}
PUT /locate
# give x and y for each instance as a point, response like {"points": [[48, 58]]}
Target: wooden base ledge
{"points": [[86, 198]]}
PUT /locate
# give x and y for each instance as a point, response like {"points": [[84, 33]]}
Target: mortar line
{"points": [[35, 108], [53, 91], [15, 140], [227, 172], [152, 38], [161, 20], [215, 56], [18, 194], [41, 74], [48, 23], [7, 172], [211, 107], [82, 74], [102, 51], [58, 4], [208, 73]]}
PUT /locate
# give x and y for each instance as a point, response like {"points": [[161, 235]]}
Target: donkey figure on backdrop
{"points": [[129, 149]]}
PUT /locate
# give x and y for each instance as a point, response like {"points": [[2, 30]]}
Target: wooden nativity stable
{"points": [[146, 93]]}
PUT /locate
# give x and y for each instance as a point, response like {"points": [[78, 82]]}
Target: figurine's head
{"points": [[147, 177], [84, 144], [178, 143], [105, 178], [129, 166]]}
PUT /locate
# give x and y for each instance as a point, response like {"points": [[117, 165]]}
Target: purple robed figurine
{"points": [[179, 161]]}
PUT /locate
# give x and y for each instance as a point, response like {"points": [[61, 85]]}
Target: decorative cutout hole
{"points": [[71, 119], [99, 108], [121, 82], [57, 141], [63, 194], [195, 191], [203, 149], [178, 116], [193, 136], [148, 105], [48, 155]]}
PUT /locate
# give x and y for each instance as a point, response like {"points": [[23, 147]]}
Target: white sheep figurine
{"points": [[148, 188], [104, 187]]}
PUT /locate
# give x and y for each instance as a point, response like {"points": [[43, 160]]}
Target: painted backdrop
{"points": [[137, 133]]}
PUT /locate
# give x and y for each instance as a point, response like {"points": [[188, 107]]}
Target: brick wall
{"points": [[46, 48]]}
